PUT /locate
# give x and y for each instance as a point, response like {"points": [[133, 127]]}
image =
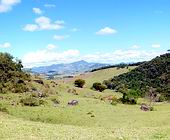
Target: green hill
{"points": [[154, 73]]}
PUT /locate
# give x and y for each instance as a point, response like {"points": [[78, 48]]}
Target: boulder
{"points": [[144, 107], [73, 102]]}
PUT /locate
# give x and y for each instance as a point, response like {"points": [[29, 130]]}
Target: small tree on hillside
{"points": [[79, 83], [152, 96], [99, 87]]}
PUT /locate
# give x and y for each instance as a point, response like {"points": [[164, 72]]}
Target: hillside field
{"points": [[92, 118]]}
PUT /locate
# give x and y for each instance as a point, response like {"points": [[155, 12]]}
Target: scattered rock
{"points": [[144, 107], [73, 102]]}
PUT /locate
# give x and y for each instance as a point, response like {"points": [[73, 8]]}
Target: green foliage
{"points": [[130, 97], [99, 87], [31, 101], [114, 100], [12, 78], [79, 83], [153, 73], [3, 109], [55, 100]]}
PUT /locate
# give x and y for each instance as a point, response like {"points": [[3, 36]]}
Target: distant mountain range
{"points": [[71, 68]]}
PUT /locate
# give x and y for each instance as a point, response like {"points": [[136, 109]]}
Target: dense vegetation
{"points": [[12, 78], [154, 73]]}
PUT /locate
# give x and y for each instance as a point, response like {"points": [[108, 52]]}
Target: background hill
{"points": [[71, 68]]}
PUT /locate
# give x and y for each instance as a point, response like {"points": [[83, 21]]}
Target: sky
{"points": [[45, 32]]}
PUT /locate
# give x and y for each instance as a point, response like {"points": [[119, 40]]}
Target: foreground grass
{"points": [[118, 123]]}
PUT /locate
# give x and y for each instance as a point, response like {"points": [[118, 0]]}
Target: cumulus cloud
{"points": [[44, 23], [48, 57], [37, 11], [6, 5], [61, 37], [156, 45], [49, 5], [5, 45], [106, 31]]}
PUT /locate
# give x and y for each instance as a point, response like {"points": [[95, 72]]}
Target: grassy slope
{"points": [[64, 122], [100, 76]]}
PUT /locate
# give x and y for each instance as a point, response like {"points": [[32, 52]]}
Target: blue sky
{"points": [[43, 32]]}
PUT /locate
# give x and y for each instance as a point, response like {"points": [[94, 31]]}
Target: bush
{"points": [[31, 101], [162, 98], [55, 100], [3, 109], [114, 100], [99, 87], [79, 83], [130, 97]]}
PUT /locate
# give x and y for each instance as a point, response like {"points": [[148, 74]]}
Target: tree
{"points": [[99, 87], [79, 83], [152, 96], [12, 78]]}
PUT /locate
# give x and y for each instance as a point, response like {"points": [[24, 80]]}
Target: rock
{"points": [[144, 107], [73, 102], [39, 81]]}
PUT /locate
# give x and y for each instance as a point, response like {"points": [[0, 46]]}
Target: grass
{"points": [[91, 119], [99, 76]]}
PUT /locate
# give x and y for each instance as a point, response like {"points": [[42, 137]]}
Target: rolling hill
{"points": [[154, 73], [71, 68]]}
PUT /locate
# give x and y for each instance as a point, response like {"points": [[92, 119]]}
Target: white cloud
{"points": [[51, 56], [47, 57], [49, 5], [6, 5], [61, 37], [37, 11], [106, 31], [51, 47], [135, 47], [31, 27], [156, 45], [44, 23], [5, 45]]}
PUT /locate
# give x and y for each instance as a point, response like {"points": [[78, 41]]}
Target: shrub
{"points": [[114, 100], [130, 97], [3, 109], [99, 87], [162, 98], [55, 100], [31, 101], [79, 83]]}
